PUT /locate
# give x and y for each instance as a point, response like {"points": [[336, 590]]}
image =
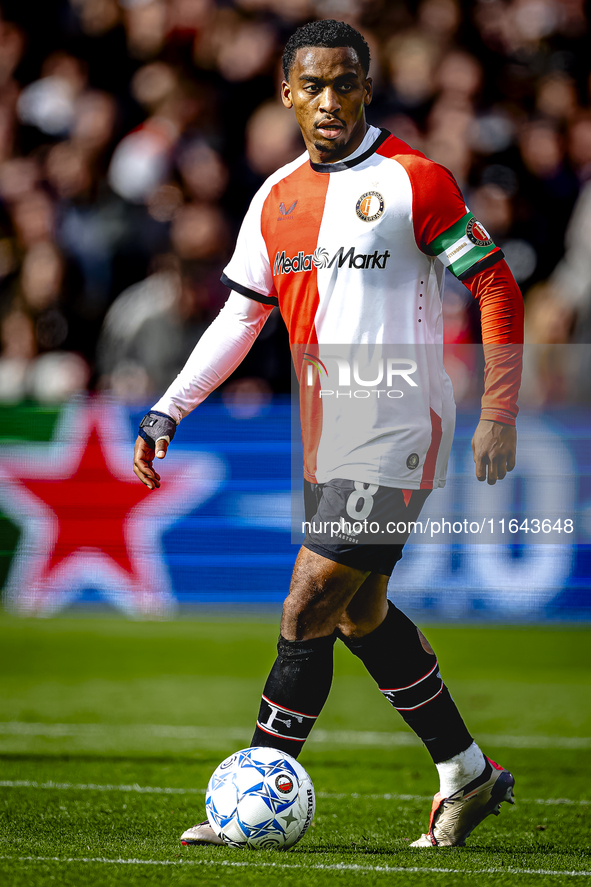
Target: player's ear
{"points": [[368, 86], [286, 94]]}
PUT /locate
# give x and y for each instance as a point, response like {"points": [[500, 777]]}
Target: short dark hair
{"points": [[328, 33]]}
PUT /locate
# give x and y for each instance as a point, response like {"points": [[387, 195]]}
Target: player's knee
{"points": [[295, 618], [307, 618], [366, 611], [353, 629]]}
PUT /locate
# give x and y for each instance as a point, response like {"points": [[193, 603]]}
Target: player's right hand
{"points": [[143, 456], [493, 446]]}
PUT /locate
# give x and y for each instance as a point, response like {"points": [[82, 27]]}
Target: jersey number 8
{"points": [[360, 502]]}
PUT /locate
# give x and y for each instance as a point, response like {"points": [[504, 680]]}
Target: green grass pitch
{"points": [[109, 731]]}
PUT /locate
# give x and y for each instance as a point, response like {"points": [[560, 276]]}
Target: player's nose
{"points": [[330, 101]]}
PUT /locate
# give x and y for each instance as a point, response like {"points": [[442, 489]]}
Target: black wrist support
{"points": [[155, 425]]}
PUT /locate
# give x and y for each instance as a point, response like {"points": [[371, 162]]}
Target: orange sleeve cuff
{"points": [[501, 310]]}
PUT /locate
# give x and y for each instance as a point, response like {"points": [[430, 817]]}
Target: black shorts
{"points": [[360, 525]]}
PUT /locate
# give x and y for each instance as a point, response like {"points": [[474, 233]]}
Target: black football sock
{"points": [[409, 678], [294, 694]]}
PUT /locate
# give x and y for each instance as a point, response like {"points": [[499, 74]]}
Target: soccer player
{"points": [[350, 241]]}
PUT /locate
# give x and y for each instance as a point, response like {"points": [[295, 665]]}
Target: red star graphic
{"points": [[87, 522], [90, 505]]}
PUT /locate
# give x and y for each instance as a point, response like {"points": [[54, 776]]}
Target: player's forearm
{"points": [[222, 347], [501, 309]]}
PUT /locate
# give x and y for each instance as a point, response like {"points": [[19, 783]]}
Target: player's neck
{"points": [[319, 156]]}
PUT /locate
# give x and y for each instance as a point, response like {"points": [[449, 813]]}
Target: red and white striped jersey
{"points": [[353, 253]]}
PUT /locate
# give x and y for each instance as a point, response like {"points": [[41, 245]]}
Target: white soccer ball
{"points": [[260, 797]]}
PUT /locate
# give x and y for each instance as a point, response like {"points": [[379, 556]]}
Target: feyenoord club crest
{"points": [[370, 206], [477, 234], [284, 784], [86, 521]]}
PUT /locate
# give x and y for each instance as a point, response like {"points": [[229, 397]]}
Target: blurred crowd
{"points": [[133, 134]]}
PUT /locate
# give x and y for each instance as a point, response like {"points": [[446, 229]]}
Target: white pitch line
{"points": [[162, 790], [81, 787], [165, 731], [324, 737], [334, 867]]}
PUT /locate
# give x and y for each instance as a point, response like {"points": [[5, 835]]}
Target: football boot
{"points": [[202, 833], [454, 818]]}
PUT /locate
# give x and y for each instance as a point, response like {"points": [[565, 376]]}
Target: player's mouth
{"points": [[329, 129]]}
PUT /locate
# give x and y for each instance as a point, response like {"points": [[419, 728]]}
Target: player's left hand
{"points": [[493, 447]]}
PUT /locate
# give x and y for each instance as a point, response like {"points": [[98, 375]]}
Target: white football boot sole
{"points": [[202, 833]]}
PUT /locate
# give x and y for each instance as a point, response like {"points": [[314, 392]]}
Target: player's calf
{"points": [[294, 694], [405, 669]]}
